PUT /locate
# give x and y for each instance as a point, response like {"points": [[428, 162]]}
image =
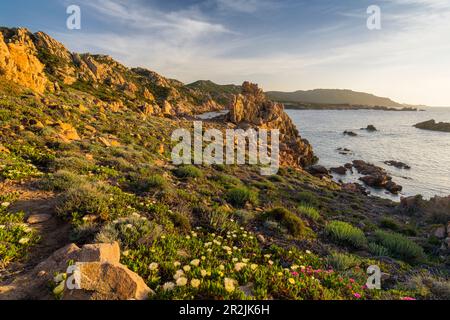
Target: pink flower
{"points": [[357, 295], [352, 280], [294, 273], [408, 299]]}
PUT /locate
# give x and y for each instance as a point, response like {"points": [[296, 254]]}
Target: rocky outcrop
{"points": [[18, 60], [376, 177], [434, 126], [41, 63], [252, 108], [102, 277]]}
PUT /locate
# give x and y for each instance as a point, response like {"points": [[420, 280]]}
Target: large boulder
{"points": [[104, 252], [108, 281], [101, 274]]}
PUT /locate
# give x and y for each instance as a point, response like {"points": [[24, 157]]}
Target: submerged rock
{"points": [[370, 128], [350, 133], [397, 164], [339, 170]]}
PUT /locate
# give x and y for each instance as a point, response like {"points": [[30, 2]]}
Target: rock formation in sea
{"points": [[434, 126]]}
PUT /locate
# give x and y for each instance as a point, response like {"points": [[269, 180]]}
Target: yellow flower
{"points": [[203, 258], [181, 282], [270, 262], [203, 273], [308, 252], [126, 253], [187, 268], [195, 283], [222, 267], [254, 266], [24, 240], [195, 262], [226, 248], [245, 260], [294, 267], [230, 285], [176, 264], [280, 274], [235, 260], [291, 281], [239, 266]]}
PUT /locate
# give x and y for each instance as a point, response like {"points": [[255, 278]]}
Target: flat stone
{"points": [[38, 218]]}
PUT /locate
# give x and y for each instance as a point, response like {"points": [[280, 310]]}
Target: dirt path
{"points": [[54, 233]]}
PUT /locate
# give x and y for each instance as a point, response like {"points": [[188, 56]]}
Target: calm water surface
{"points": [[427, 152]]}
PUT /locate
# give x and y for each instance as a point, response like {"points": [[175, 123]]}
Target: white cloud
{"points": [[409, 54]]}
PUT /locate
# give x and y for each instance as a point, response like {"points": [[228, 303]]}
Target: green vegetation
{"points": [[240, 196], [289, 220], [188, 171], [345, 233], [310, 212], [16, 237], [400, 246]]}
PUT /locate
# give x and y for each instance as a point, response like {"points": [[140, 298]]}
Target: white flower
{"points": [[245, 260], [253, 267], [308, 252], [235, 260], [181, 282], [178, 274], [168, 286], [153, 266], [129, 226], [176, 264], [6, 204], [126, 253], [203, 273], [2, 226]]}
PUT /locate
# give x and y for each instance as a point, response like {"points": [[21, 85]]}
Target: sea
{"points": [[426, 152]]}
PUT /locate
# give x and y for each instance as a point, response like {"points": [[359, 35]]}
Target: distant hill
{"points": [[220, 93], [333, 96]]}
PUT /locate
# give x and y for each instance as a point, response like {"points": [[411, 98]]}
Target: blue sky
{"points": [[280, 44]]}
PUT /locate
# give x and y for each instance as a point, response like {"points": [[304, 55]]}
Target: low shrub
{"points": [[130, 232], [308, 198], [95, 199], [400, 246], [342, 261], [310, 212], [287, 219], [240, 196], [188, 171], [61, 181], [345, 233]]}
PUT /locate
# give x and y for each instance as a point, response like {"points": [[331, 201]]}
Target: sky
{"points": [[284, 45]]}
